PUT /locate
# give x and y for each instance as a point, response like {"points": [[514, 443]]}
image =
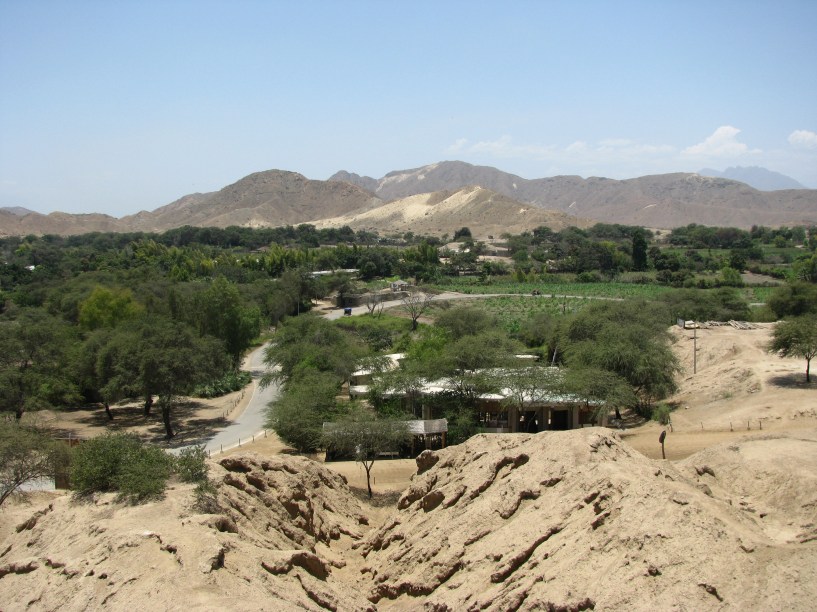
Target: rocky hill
{"points": [[263, 199], [755, 176], [485, 212], [570, 520], [503, 202], [664, 200], [65, 224]]}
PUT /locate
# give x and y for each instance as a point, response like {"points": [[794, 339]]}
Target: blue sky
{"points": [[123, 106]]}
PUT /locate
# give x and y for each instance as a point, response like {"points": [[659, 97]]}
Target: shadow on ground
{"points": [[189, 428], [794, 381]]}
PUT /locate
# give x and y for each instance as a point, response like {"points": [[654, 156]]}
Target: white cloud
{"points": [[803, 138], [722, 143], [580, 151], [504, 147], [458, 145]]}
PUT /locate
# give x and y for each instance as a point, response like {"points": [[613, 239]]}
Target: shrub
{"points": [[588, 277], [206, 495], [234, 380], [661, 413], [144, 474], [120, 462], [26, 453], [191, 464]]}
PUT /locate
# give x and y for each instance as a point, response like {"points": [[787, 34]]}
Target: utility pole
{"points": [[694, 347]]}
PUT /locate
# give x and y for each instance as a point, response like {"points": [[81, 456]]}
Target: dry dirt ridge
{"points": [[555, 521]]}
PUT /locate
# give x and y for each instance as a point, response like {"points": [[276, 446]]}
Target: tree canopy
{"points": [[365, 434], [796, 337]]}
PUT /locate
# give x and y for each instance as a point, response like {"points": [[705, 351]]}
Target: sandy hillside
{"points": [[271, 540], [559, 520], [576, 520], [740, 390], [484, 211]]}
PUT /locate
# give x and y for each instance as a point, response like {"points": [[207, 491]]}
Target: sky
{"points": [[117, 107]]}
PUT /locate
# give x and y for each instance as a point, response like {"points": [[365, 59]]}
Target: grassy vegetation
{"points": [[472, 285], [512, 310], [758, 295], [379, 332]]}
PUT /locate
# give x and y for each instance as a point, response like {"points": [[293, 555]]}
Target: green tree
{"points": [[466, 321], [310, 343], [120, 462], [526, 385], [601, 389], [34, 350], [297, 416], [730, 277], [469, 367], [222, 314], [366, 435], [107, 308], [794, 299], [161, 357], [26, 453], [721, 304], [796, 337], [639, 246], [629, 339]]}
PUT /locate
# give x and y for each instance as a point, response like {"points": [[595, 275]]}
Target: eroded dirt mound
{"points": [[267, 542], [572, 521], [773, 478], [735, 380], [554, 521]]}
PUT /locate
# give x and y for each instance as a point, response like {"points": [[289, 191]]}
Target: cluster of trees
{"points": [[80, 316], [696, 236], [605, 251], [614, 354], [796, 335], [693, 256], [604, 248], [90, 339]]}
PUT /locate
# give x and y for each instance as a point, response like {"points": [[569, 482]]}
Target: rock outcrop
{"points": [[268, 542], [574, 521]]}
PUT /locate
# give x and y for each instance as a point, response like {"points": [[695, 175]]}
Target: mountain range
{"points": [[443, 197], [757, 177]]}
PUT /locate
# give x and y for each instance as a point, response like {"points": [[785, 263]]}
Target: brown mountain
{"points": [[664, 200], [454, 194], [65, 224], [483, 211], [263, 199]]}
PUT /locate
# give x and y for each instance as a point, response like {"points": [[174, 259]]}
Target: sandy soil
{"points": [[193, 418], [737, 389]]}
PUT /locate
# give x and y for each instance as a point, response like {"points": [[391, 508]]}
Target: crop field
{"points": [[512, 302], [602, 290], [513, 310], [758, 294]]}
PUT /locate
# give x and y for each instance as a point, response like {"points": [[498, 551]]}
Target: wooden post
{"points": [[694, 347], [661, 439]]}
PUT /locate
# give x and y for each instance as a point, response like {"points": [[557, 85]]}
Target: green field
{"points": [[512, 310], [604, 290], [513, 302]]}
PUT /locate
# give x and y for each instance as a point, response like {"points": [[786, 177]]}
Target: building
{"points": [[507, 410]]}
